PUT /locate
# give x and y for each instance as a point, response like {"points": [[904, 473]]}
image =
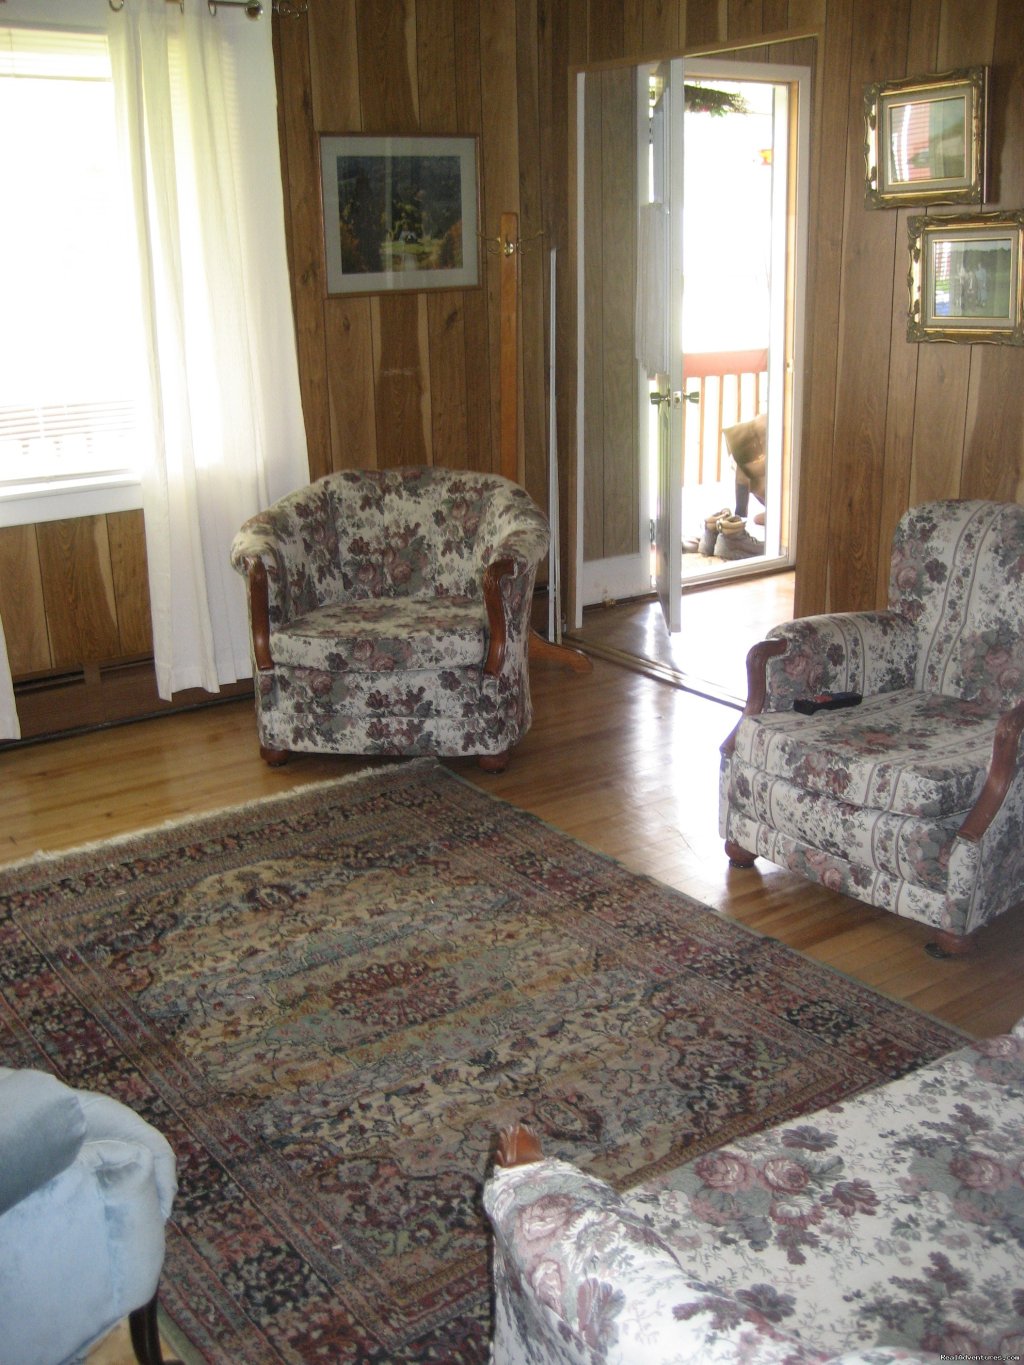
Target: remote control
{"points": [[826, 701]]}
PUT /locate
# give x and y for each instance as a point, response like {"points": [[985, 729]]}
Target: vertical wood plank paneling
{"points": [[994, 437], [745, 19], [481, 437], [619, 382], [865, 325], [350, 379], [445, 349], [706, 22], [828, 188], [944, 371], [661, 23], [334, 68], [607, 30], [126, 535], [500, 130], [22, 607], [533, 271], [594, 498], [400, 392], [901, 400], [78, 591], [884, 421], [388, 90], [303, 209], [435, 63], [807, 14]]}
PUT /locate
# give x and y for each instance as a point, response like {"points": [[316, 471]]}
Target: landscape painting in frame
{"points": [[965, 278], [399, 213]]}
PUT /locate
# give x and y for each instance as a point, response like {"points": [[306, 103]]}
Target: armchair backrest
{"points": [[415, 532], [957, 572]]}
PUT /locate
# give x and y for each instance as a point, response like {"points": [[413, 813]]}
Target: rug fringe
{"points": [[45, 855]]}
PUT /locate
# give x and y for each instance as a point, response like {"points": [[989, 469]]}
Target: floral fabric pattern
{"points": [[870, 800], [379, 630], [888, 1227]]}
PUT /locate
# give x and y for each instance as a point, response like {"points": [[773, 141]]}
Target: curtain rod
{"points": [[253, 8]]}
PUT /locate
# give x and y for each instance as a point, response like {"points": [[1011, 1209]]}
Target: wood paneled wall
{"points": [[414, 377], [74, 593], [611, 421]]}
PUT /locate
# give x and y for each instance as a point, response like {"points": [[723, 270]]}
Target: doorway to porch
{"points": [[745, 164]]}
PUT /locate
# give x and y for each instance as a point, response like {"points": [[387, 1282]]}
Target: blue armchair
{"points": [[85, 1189]]}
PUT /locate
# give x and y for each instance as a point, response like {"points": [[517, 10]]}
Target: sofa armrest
{"points": [[42, 1127], [512, 527], [868, 652], [580, 1278]]}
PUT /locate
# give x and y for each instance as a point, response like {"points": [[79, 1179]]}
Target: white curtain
{"points": [[197, 102]]}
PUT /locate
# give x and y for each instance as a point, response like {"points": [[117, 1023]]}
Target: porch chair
{"points": [[86, 1187], [913, 800], [390, 614]]}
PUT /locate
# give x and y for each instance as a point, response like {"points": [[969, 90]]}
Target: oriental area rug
{"points": [[329, 1002]]}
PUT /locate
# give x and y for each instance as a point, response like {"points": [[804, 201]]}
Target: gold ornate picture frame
{"points": [[965, 278], [926, 139]]}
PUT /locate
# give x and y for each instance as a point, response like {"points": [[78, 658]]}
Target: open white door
{"points": [[667, 395]]}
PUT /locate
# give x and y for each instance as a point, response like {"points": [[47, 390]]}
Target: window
{"points": [[69, 327]]}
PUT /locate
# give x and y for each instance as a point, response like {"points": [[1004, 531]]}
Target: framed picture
{"points": [[965, 278], [399, 212], [925, 140]]}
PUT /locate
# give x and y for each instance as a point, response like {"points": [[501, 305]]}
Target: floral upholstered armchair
{"points": [[885, 1228], [913, 799], [390, 614]]}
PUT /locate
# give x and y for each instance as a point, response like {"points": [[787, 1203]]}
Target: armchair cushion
{"points": [[907, 752], [382, 633]]}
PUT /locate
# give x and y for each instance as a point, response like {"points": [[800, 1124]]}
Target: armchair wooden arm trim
{"points": [[517, 1146], [259, 612], [497, 626], [757, 684], [1000, 774]]}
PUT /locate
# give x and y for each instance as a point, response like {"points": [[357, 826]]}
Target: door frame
{"points": [[806, 79]]}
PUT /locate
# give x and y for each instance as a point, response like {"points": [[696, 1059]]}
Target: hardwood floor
{"points": [[720, 621], [622, 761]]}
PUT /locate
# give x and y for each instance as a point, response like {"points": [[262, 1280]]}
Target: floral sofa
{"points": [[390, 614], [886, 1228], [912, 801]]}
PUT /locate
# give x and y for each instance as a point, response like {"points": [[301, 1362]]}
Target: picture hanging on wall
{"points": [[965, 278], [925, 139], [399, 213]]}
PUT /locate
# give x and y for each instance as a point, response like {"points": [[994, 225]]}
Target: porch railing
{"points": [[732, 387]]}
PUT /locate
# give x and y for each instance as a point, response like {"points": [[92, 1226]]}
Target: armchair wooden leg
{"points": [[494, 763], [738, 856], [145, 1332], [946, 944], [274, 758]]}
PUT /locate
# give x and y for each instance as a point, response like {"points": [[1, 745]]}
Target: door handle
{"points": [[677, 398]]}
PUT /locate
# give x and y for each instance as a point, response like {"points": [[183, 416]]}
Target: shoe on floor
{"points": [[707, 540], [737, 544]]}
